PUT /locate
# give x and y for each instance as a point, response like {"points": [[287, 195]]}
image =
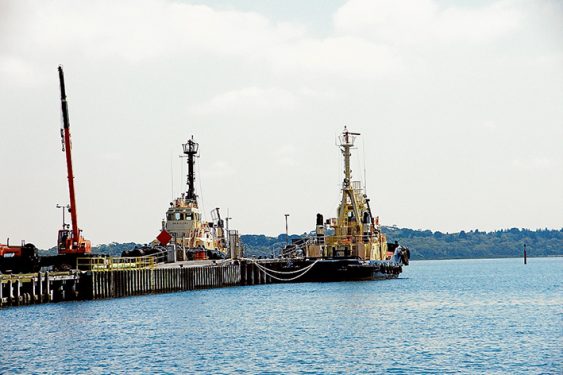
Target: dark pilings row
{"points": [[251, 274], [44, 287], [161, 280], [17, 290]]}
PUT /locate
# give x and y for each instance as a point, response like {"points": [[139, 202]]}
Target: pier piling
{"points": [[44, 287]]}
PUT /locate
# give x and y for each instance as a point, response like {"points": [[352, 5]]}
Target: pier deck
{"points": [[44, 287]]}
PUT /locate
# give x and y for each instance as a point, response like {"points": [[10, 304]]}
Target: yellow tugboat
{"points": [[357, 232], [348, 247]]}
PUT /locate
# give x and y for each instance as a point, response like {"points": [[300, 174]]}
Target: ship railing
{"points": [[115, 263], [294, 247], [158, 257], [357, 185], [348, 238]]}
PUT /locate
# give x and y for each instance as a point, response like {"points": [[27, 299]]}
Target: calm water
{"points": [[469, 316]]}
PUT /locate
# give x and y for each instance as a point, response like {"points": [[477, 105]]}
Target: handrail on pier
{"points": [[98, 264]]}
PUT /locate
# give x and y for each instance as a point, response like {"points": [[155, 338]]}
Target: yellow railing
{"points": [[114, 263]]}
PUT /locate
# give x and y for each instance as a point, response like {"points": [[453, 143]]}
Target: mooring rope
{"points": [[290, 279], [280, 272], [303, 271]]}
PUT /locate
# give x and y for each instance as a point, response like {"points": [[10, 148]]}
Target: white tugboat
{"points": [[185, 228], [186, 233]]}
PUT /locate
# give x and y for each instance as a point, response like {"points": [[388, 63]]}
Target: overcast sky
{"points": [[460, 106]]}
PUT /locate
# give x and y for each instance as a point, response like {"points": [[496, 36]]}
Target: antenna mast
{"points": [[346, 143], [190, 149]]}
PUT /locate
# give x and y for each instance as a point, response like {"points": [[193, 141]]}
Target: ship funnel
{"points": [[320, 229]]}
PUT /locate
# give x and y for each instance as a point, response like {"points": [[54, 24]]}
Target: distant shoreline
{"points": [[485, 258], [424, 244]]}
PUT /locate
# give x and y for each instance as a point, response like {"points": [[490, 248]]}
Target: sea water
{"points": [[453, 316]]}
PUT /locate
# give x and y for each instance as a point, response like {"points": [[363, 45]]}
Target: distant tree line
{"points": [[424, 244], [113, 249]]}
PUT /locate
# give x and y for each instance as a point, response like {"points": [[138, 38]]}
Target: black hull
{"points": [[326, 270]]}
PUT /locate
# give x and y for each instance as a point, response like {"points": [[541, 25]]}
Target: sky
{"points": [[459, 105]]}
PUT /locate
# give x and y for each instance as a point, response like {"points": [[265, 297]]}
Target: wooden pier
{"points": [[28, 289], [44, 287]]}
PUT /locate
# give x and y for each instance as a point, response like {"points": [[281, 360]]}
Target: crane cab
{"points": [[67, 245]]}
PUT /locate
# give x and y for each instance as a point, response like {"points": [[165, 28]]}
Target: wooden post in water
{"points": [[127, 282], [48, 295], [242, 266], [10, 291], [103, 284], [191, 278], [19, 297], [98, 289], [40, 287], [33, 289], [525, 255], [94, 286]]}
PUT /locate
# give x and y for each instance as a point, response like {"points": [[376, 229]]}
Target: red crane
{"points": [[70, 241]]}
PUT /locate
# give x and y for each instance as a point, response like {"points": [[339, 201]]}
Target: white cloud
{"points": [[17, 71], [417, 21], [285, 156], [248, 101], [489, 125], [338, 57], [219, 170], [384, 19], [483, 24], [145, 29], [150, 30], [534, 163]]}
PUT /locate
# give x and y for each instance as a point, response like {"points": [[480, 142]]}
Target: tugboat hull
{"points": [[326, 270]]}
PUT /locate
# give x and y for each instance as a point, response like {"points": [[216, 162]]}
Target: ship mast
{"points": [[349, 213], [191, 149], [346, 143]]}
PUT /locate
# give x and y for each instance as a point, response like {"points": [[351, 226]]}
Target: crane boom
{"points": [[67, 148], [69, 242]]}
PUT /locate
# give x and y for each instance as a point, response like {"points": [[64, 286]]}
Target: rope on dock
{"points": [[303, 271]]}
